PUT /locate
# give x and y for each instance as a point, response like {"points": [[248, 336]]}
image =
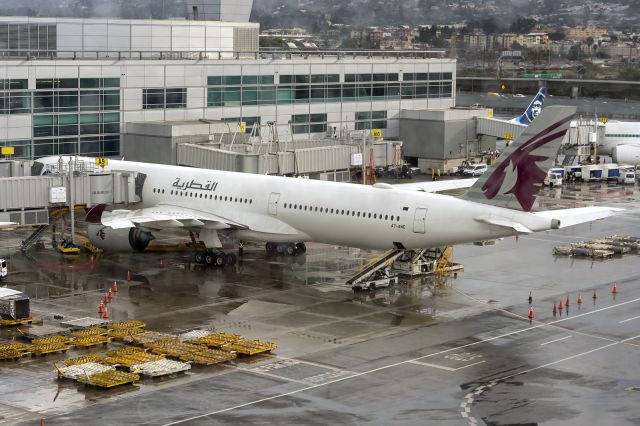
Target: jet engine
{"points": [[125, 239], [626, 154]]}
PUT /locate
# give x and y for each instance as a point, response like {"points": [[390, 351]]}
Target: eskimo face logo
{"points": [[536, 108], [518, 174], [102, 233]]}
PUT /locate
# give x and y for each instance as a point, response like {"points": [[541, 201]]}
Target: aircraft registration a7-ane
{"points": [[286, 212]]}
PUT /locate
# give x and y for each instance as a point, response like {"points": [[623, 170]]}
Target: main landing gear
{"points": [[215, 258], [285, 249]]}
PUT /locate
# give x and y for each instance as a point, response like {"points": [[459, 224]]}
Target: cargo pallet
{"points": [[89, 341], [109, 379], [14, 322], [250, 347], [97, 359], [49, 348]]}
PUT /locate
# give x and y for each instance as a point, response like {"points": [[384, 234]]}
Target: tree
{"points": [[522, 25], [557, 36], [574, 52]]}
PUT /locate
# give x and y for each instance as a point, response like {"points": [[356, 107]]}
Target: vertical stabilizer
{"points": [[515, 179]]}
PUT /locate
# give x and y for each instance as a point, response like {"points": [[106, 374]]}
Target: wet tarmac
{"points": [[452, 351]]}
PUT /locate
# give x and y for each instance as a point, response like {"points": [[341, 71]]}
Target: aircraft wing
{"points": [[570, 217], [437, 186], [166, 216]]}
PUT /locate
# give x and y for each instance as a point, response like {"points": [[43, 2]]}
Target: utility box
{"points": [[14, 305]]}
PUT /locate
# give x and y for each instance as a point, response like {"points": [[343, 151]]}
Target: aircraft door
{"points": [[420, 221], [273, 203]]}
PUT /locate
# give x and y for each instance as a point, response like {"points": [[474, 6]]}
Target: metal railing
{"points": [[264, 54]]}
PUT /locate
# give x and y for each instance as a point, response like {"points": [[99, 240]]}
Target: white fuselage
{"points": [[282, 209], [619, 133]]}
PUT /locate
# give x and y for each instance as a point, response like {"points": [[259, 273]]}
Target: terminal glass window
{"points": [[164, 98], [248, 121], [28, 39], [309, 123], [371, 120], [14, 97]]}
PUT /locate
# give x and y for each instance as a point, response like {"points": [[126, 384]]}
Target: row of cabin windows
{"points": [[206, 196], [352, 213]]}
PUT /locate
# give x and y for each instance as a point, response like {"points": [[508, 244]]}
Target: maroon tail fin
{"points": [[94, 215]]}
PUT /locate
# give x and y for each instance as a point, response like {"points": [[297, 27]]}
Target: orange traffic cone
{"points": [[162, 263], [560, 305], [109, 295], [115, 287], [106, 298], [567, 303], [530, 298], [530, 313], [101, 309], [594, 295], [554, 310], [579, 299], [128, 275], [41, 421], [106, 314], [615, 289]]}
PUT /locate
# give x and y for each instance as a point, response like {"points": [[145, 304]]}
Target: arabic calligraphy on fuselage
{"points": [[196, 186]]}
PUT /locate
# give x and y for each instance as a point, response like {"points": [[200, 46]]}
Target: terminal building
{"points": [[71, 85]]}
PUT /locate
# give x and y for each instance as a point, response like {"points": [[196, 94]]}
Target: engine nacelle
{"points": [[125, 239], [626, 154]]}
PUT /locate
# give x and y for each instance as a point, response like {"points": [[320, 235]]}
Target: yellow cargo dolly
{"points": [[109, 379], [127, 360], [91, 331], [15, 323], [188, 352], [68, 248], [217, 340], [84, 359], [51, 340], [19, 346], [127, 325], [250, 347], [124, 332], [8, 354], [49, 348], [89, 341]]}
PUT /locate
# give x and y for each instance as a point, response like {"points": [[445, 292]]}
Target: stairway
{"points": [[33, 238], [382, 261]]}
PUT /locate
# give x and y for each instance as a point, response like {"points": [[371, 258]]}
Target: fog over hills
{"points": [[318, 14]]}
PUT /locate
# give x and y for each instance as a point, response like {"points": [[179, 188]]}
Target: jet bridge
{"points": [[27, 200], [499, 128]]}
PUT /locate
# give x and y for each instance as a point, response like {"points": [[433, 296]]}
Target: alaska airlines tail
{"points": [[534, 108], [515, 179]]}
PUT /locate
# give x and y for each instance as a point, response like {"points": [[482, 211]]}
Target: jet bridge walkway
{"points": [[28, 200]]}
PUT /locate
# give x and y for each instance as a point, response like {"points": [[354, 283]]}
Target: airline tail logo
{"points": [[535, 108], [518, 174]]}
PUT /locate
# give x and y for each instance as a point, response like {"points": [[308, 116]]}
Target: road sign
{"points": [[376, 133], [604, 120], [8, 150], [507, 136], [102, 162], [356, 159], [243, 127]]}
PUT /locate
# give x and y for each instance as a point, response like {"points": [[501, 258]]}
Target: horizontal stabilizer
{"points": [[570, 217], [437, 186], [507, 223]]}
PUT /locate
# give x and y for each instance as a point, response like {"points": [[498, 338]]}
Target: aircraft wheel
{"points": [[199, 257], [301, 248], [218, 260], [230, 259], [290, 250], [208, 259], [271, 248]]}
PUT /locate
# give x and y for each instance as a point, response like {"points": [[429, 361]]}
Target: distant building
{"points": [[583, 33]]}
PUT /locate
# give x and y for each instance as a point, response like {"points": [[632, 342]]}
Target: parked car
{"points": [[553, 179], [627, 178], [475, 170], [3, 269]]}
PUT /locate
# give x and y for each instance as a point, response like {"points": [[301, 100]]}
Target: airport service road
{"points": [[464, 353]]}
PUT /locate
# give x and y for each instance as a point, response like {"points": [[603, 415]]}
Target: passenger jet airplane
{"points": [[286, 212]]}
